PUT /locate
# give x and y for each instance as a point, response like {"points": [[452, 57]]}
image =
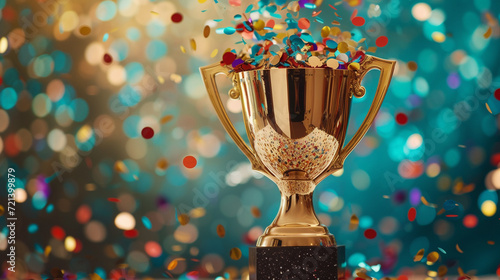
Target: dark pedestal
{"points": [[297, 263]]}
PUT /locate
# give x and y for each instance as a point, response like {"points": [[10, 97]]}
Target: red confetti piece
{"points": [[495, 159], [358, 21], [331, 6], [57, 232], [412, 214], [270, 23], [354, 14], [451, 216], [78, 246], [177, 17], [403, 277], [401, 118], [470, 221], [147, 132], [192, 273], [314, 14], [304, 23], [370, 233], [189, 162], [228, 57], [132, 233], [112, 199], [497, 93], [107, 58], [381, 41]]}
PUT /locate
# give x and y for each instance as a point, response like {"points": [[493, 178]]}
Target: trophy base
{"points": [[297, 262]]}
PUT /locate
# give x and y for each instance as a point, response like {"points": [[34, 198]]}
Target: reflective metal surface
{"points": [[296, 121]]}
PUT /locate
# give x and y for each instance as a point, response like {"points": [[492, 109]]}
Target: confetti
{"points": [[255, 212], [381, 41], [2, 210], [412, 214], [418, 257], [432, 257], [113, 199], [235, 253], [172, 265], [183, 219], [147, 132], [412, 66], [221, 231], [370, 233], [442, 271], [206, 31], [487, 34], [354, 223], [85, 30], [107, 59], [189, 162], [401, 118], [176, 17], [193, 44]]}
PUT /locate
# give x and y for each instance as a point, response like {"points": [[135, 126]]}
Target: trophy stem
{"points": [[296, 223]]}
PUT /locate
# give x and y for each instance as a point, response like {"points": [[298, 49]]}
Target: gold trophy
{"points": [[296, 122]]}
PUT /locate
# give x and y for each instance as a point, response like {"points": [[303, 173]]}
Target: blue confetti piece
{"points": [[249, 8], [309, 6], [146, 222], [218, 20], [49, 208], [203, 11], [442, 250], [105, 37]]}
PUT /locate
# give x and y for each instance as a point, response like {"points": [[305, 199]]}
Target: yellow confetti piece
{"points": [[162, 164], [354, 66], [420, 254], [442, 271], [202, 1], [166, 119], [385, 196], [438, 37], [488, 108], [325, 31], [353, 224], [488, 33], [426, 203], [372, 49], [154, 13], [206, 31], [461, 146], [95, 276], [256, 212], [172, 265], [47, 251], [343, 47], [2, 210], [214, 53], [193, 44], [432, 257], [235, 253], [161, 80], [183, 50], [197, 212], [85, 30], [183, 219], [221, 231], [120, 167]]}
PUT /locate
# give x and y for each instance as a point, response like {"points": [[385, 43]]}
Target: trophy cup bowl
{"points": [[296, 121]]}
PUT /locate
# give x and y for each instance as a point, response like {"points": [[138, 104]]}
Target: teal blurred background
{"points": [[80, 80]]}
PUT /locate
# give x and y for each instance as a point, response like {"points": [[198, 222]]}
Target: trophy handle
{"points": [[386, 68], [208, 73]]}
